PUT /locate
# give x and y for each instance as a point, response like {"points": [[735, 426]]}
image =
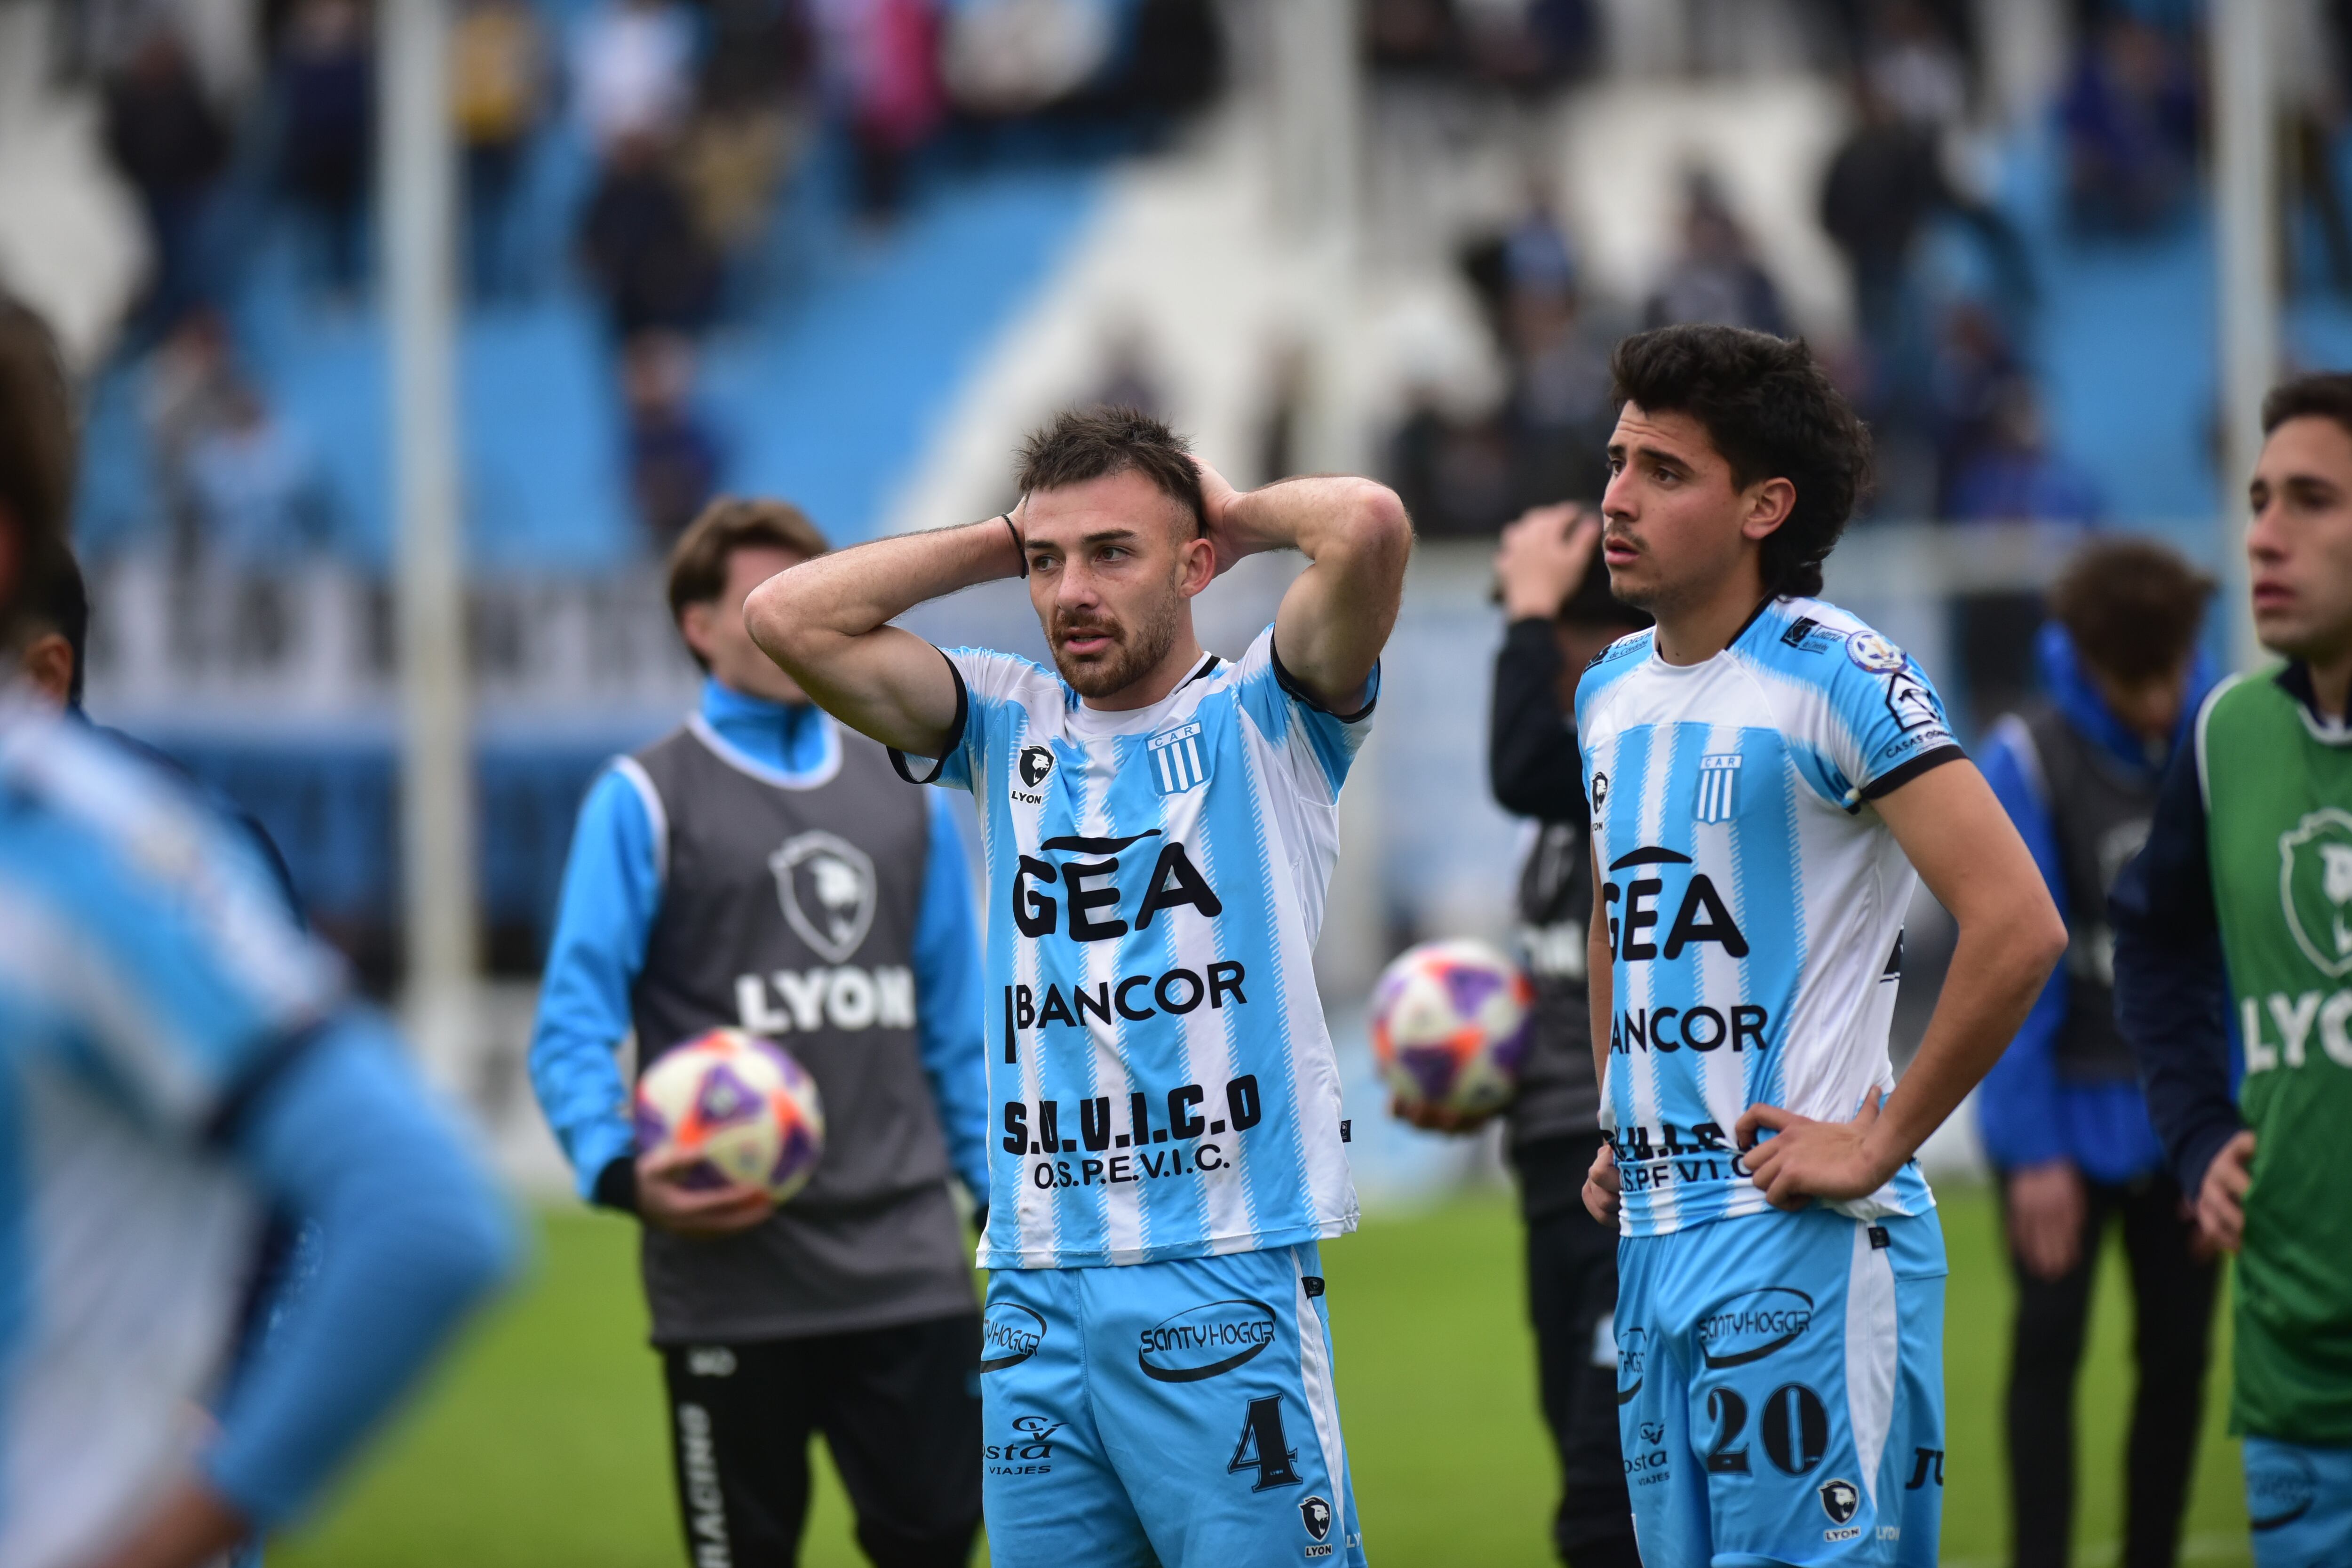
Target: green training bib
{"points": [[2278, 806]]}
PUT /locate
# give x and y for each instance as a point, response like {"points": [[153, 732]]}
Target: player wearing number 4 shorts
{"points": [[1159, 827], [1765, 774]]}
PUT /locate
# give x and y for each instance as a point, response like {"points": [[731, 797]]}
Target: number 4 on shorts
{"points": [[1263, 1448]]}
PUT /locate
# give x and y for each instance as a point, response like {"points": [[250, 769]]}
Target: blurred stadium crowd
{"points": [[690, 119]]}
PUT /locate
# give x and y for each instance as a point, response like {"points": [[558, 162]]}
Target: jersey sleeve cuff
{"points": [[2198, 1151], [1894, 778], [899, 759], [1291, 685]]}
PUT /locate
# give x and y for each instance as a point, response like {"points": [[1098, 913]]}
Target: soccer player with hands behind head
{"points": [[1769, 779], [2241, 891], [1159, 827], [176, 1059]]}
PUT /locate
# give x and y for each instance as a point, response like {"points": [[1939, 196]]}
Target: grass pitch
{"points": [[544, 1443]]}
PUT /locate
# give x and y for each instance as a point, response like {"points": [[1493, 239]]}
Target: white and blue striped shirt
{"points": [[1162, 1081], [1755, 900]]}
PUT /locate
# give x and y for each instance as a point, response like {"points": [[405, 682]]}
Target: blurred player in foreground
{"points": [[760, 868], [2064, 1121], [174, 1058], [1765, 774], [2252, 845], [1160, 827]]}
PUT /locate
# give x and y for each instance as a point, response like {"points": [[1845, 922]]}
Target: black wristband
{"points": [[1020, 546], [616, 1186]]}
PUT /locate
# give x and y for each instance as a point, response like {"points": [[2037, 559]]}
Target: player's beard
{"points": [[1135, 651]]}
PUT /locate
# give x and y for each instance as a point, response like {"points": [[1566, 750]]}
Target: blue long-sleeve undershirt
{"points": [[611, 893], [411, 1233]]}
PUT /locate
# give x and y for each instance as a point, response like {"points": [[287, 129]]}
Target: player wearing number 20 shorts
{"points": [[1159, 828], [1765, 771]]}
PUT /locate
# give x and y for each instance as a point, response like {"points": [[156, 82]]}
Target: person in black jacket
{"points": [[1561, 614]]}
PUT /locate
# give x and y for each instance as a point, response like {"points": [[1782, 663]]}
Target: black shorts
{"points": [[899, 1408], [1571, 1295]]}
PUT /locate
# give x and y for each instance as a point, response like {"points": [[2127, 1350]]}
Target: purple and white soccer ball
{"points": [[741, 1105], [1450, 1026]]}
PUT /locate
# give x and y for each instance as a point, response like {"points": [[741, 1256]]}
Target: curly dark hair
{"points": [[1772, 412], [1082, 443]]}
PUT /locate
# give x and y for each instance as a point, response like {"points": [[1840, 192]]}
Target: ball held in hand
{"points": [[741, 1106]]}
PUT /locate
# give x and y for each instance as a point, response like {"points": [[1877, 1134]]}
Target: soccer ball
{"points": [[1450, 1026], [743, 1105]]}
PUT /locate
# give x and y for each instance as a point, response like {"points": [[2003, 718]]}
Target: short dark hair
{"points": [[1773, 413], [699, 559], [1082, 443], [2133, 606], [36, 443], [2323, 397]]}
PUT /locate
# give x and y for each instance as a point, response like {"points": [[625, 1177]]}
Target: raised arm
{"points": [[1971, 859], [826, 623], [1337, 616]]}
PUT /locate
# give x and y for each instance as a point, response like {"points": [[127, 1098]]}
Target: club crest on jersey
{"points": [[1036, 763], [2316, 887], [1718, 771], [825, 885], [1178, 763], [1873, 653]]}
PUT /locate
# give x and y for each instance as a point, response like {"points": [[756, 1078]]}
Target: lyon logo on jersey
{"points": [[1176, 762], [825, 885]]}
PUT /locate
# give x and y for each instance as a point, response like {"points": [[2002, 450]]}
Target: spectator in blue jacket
{"points": [[2063, 1117]]}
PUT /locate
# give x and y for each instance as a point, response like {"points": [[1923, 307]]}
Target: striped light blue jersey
{"points": [[148, 975], [1755, 900], [1162, 1082]]}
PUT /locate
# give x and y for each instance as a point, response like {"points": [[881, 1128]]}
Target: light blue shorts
{"points": [[2299, 1504], [1179, 1414], [1780, 1390]]}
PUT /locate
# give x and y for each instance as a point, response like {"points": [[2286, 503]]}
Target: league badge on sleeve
{"points": [[1874, 653]]}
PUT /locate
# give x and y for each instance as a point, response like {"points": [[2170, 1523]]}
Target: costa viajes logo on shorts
{"points": [[1206, 1341], [2315, 887], [1752, 1325]]}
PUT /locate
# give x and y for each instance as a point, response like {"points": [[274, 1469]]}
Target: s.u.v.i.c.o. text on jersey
{"points": [[1162, 1081]]}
